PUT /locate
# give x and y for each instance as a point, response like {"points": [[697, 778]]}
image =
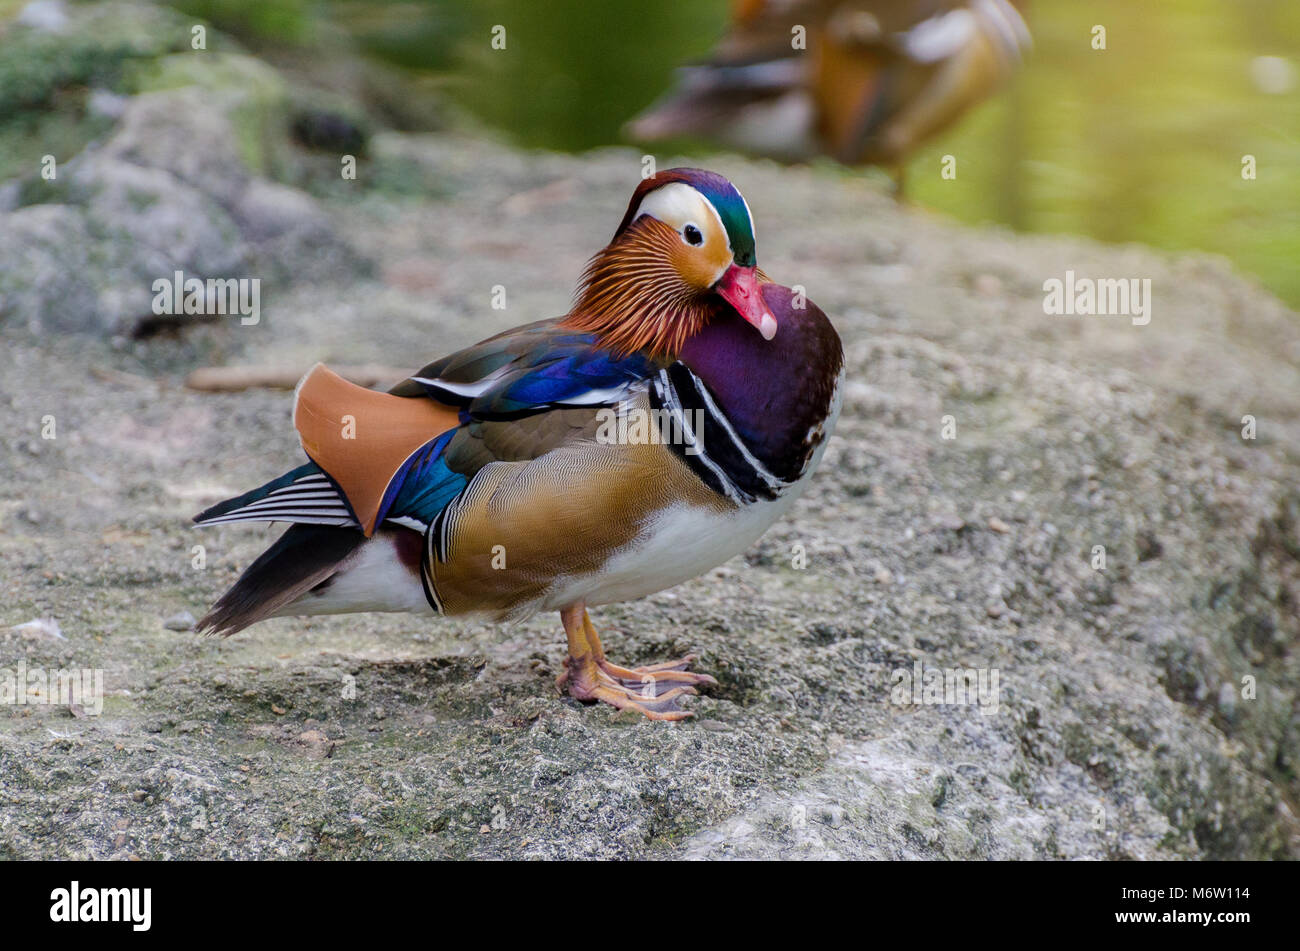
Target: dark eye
{"points": [[692, 235]]}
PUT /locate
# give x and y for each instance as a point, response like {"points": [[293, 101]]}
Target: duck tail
{"points": [[302, 558]]}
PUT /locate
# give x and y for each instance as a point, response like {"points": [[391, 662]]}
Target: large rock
{"points": [[46, 281], [178, 186]]}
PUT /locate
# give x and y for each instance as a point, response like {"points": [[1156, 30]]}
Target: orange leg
{"points": [[654, 690]]}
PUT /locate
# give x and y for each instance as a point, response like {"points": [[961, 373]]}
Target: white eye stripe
{"points": [[750, 215], [677, 205]]}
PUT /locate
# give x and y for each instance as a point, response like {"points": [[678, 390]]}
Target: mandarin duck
{"points": [[653, 432], [870, 81]]}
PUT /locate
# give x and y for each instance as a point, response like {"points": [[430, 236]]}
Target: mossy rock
{"points": [[46, 78], [255, 97], [92, 50]]}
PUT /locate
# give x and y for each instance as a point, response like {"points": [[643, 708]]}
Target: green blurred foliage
{"points": [[267, 21], [413, 35], [573, 71], [1142, 141]]}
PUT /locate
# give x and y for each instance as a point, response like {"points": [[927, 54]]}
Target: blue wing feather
{"points": [[424, 485], [530, 370], [563, 378]]}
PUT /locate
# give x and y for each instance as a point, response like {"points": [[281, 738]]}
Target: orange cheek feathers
{"points": [[700, 267]]}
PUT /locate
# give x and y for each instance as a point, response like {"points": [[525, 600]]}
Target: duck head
{"points": [[683, 252]]}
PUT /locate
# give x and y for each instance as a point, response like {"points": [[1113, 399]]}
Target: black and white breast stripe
{"points": [[716, 452], [434, 548]]}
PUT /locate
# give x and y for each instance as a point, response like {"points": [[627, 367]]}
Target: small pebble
{"points": [[181, 621]]}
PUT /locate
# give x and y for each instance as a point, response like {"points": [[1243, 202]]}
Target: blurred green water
{"points": [[1142, 141]]}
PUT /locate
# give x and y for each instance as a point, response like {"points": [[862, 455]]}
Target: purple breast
{"points": [[772, 391]]}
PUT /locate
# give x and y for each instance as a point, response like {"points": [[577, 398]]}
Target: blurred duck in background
{"points": [[863, 81]]}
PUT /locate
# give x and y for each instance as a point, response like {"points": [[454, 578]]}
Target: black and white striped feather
{"points": [[310, 499]]}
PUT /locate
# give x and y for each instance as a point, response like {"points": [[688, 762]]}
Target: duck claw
{"points": [[647, 693], [656, 679]]}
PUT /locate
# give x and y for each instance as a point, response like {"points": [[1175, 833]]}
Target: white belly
{"points": [[682, 543]]}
